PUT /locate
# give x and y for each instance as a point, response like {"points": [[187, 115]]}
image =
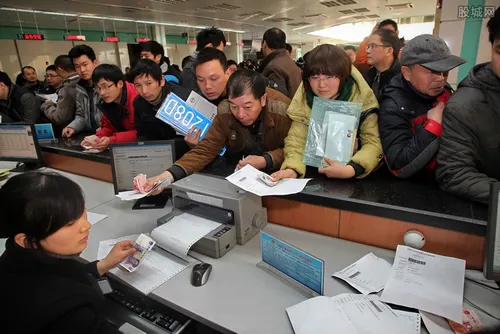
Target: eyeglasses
{"points": [[325, 78], [102, 88], [374, 46]]}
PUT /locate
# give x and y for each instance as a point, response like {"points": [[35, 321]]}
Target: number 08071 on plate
{"points": [[182, 117]]}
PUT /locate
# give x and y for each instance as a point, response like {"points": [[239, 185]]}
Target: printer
{"points": [[240, 213]]}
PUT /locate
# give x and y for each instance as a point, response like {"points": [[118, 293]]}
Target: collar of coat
{"points": [[270, 57]]}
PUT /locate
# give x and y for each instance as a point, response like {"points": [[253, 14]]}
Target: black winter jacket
{"points": [[469, 157], [49, 295], [385, 77], [21, 106], [410, 141]]}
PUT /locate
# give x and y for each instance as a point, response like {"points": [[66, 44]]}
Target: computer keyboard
{"points": [[126, 304]]}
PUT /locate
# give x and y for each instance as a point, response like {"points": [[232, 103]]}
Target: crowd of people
{"points": [[411, 119]]}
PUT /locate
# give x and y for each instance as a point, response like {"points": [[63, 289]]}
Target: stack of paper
{"points": [[348, 314], [249, 178]]}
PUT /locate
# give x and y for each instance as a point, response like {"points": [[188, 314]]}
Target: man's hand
{"points": [[68, 132], [336, 170], [193, 137], [146, 185], [255, 161], [102, 144], [436, 113], [117, 254], [284, 174]]}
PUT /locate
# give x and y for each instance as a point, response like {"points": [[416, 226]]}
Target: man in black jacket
{"points": [[207, 38], [469, 157], [411, 107], [17, 104], [153, 90], [382, 53], [155, 51]]}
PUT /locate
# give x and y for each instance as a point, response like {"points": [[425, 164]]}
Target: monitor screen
{"points": [[491, 268], [18, 143], [129, 160]]}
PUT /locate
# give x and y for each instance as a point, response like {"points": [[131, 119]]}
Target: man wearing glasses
{"points": [[117, 107], [411, 106], [53, 80]]}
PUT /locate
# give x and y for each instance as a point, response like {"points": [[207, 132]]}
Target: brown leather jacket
{"points": [[282, 70], [228, 131]]}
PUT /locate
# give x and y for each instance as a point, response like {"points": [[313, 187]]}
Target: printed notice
{"points": [[291, 261]]}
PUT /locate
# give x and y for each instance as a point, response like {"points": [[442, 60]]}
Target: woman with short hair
{"points": [[43, 286]]}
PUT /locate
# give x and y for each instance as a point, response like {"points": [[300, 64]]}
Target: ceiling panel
{"points": [[295, 17]]}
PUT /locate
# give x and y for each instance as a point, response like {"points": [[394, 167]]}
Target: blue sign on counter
{"points": [[44, 132], [293, 262]]}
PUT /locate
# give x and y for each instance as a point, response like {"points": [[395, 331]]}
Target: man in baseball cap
{"points": [[411, 106]]}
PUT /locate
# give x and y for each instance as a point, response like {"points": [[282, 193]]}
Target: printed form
{"points": [[427, 282], [248, 178], [367, 275]]}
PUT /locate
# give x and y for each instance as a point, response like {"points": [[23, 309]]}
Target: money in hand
{"points": [[143, 245], [267, 180]]}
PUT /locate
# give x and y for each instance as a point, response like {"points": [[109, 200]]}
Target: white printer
{"points": [[240, 213]]}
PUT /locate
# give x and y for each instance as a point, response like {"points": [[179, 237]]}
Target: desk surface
{"points": [[381, 194], [71, 147], [239, 297]]}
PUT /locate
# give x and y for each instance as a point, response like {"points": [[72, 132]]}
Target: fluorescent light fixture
{"points": [[95, 17], [300, 28]]}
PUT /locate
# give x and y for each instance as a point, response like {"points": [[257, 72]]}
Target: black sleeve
{"points": [[31, 108], [457, 170], [139, 124], [188, 79], [82, 320], [92, 269], [180, 91], [406, 152]]}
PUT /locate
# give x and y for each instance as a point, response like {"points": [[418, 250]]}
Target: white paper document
{"points": [[346, 314], [94, 218], [180, 233], [436, 324], [52, 97], [156, 268], [132, 195], [412, 319], [201, 104], [427, 282], [367, 275], [248, 178]]}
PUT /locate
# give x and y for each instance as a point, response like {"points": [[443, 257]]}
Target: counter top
{"points": [[71, 147], [380, 194]]}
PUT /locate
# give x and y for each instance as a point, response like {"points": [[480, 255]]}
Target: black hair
{"points": [[389, 38], [288, 47], [64, 62], [5, 79], [388, 22], [82, 50], [185, 61], [275, 38], [51, 68], [244, 80], [350, 47], [209, 54], [231, 62], [166, 60], [154, 47], [107, 72], [147, 67], [212, 36], [494, 26], [27, 67], [20, 80], [38, 204]]}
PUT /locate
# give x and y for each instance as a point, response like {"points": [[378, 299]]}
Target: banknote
{"points": [[470, 323], [268, 180], [143, 245]]}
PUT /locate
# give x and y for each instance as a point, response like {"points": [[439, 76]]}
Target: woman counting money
{"points": [[42, 285]]}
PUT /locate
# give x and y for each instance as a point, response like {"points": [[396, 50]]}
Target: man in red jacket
{"points": [[116, 104]]}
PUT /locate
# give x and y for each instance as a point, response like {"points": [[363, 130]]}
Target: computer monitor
{"points": [[491, 269], [151, 158], [18, 142]]}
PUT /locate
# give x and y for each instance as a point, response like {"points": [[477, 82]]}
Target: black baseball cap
{"points": [[430, 52]]}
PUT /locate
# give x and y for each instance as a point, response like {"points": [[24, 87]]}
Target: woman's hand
{"points": [[284, 174], [118, 253], [336, 170]]}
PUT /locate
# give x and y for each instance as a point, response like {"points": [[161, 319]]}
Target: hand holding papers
{"points": [[139, 183], [367, 275], [427, 282], [250, 179], [143, 245]]}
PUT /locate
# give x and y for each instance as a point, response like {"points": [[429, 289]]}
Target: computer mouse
{"points": [[200, 274]]}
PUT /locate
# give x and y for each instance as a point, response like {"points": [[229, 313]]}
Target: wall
{"points": [[466, 37]]}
